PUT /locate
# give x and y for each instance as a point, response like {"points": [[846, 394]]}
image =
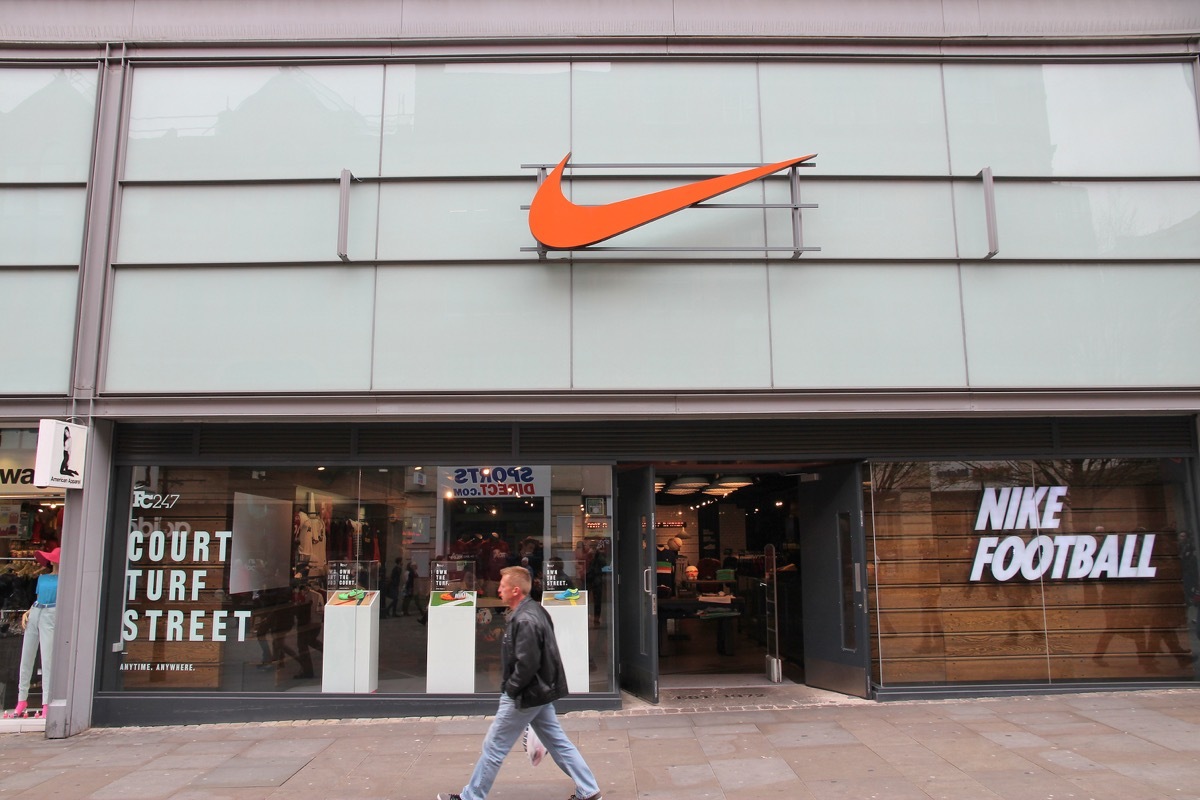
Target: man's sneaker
{"points": [[447, 796], [568, 594], [595, 796]]}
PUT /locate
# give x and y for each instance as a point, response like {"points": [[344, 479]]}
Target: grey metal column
{"points": [[86, 516], [78, 625]]}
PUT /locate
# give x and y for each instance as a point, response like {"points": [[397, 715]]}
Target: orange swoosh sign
{"points": [[558, 223]]}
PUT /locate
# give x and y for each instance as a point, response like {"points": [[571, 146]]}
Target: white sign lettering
{"points": [[1070, 557]]}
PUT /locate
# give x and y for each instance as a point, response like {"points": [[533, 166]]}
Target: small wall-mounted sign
{"points": [[61, 451]]}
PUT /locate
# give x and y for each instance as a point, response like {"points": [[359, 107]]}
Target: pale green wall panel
{"points": [[304, 329], [1077, 325], [461, 327], [254, 122], [457, 220], [664, 113], [869, 219], [861, 119], [203, 224], [38, 309], [671, 326], [475, 118], [46, 121], [1098, 219], [866, 326], [1072, 119]]}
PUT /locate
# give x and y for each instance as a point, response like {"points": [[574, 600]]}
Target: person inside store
{"points": [[38, 623], [532, 679], [410, 592], [594, 574], [391, 595]]}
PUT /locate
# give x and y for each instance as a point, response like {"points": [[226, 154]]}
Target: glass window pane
{"points": [[41, 226], [455, 220], [650, 113], [46, 121], [891, 311], [1076, 325], [660, 326], [202, 224], [883, 119], [275, 329], [254, 122], [1086, 220], [38, 302], [1073, 119], [475, 119], [470, 327], [857, 219]]}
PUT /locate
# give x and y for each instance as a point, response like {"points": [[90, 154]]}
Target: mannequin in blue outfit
{"points": [[39, 635]]}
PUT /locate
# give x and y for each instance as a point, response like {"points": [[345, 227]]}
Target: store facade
{"points": [[290, 286]]}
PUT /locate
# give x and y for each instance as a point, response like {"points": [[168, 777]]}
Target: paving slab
{"points": [[1114, 746]]}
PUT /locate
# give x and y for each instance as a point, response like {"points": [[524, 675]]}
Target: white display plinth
{"points": [[450, 659], [350, 659], [571, 631]]}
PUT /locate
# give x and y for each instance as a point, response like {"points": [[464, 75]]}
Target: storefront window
{"points": [[351, 580], [30, 522], [1032, 571]]}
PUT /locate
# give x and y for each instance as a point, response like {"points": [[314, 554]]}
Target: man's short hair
{"points": [[519, 577]]}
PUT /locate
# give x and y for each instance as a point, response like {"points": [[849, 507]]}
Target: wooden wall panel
{"points": [[929, 623]]}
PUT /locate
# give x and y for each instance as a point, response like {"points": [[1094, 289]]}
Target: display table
{"points": [[350, 659], [450, 659], [570, 619], [723, 614]]}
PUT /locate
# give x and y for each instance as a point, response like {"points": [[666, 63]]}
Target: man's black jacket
{"points": [[532, 668]]}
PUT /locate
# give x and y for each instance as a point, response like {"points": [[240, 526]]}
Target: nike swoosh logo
{"points": [[559, 224]]}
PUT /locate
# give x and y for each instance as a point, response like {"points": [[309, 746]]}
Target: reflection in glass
{"points": [[254, 122], [1072, 119], [41, 226], [46, 119], [474, 118]]}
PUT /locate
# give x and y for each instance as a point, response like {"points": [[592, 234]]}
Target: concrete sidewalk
{"points": [[741, 744]]}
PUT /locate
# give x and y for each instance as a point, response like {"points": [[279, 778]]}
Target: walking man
{"points": [[533, 678]]}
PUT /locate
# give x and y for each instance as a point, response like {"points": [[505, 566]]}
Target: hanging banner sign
{"points": [[61, 450], [493, 481], [1070, 557]]}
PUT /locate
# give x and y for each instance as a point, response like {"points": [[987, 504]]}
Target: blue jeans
{"points": [[506, 728]]}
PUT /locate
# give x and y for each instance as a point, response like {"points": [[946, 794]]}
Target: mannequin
{"points": [[39, 635]]}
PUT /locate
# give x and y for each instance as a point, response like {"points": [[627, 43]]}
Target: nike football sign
{"points": [[559, 224]]}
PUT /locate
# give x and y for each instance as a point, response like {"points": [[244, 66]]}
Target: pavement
{"points": [[738, 742]]}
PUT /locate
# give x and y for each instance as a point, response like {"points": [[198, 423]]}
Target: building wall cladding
{"points": [[905, 105]]}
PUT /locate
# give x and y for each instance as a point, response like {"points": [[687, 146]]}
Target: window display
{"points": [[240, 579]]}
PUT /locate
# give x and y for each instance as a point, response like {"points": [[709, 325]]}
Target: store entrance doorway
{"points": [[720, 602]]}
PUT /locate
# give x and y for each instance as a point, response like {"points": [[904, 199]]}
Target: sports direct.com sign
{"points": [[1069, 557]]}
